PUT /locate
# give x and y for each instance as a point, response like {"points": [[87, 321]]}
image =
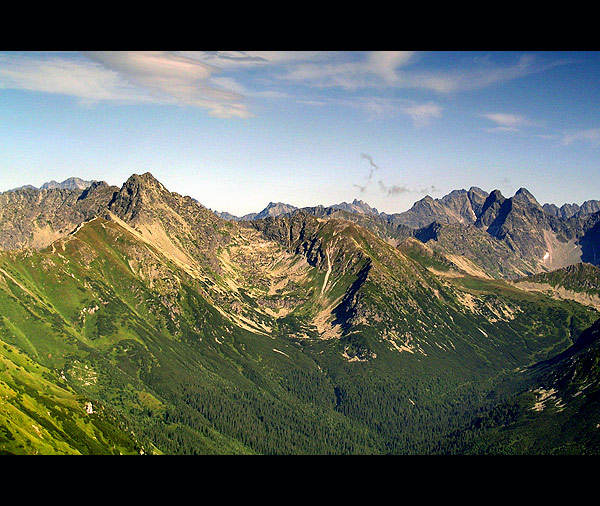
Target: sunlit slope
{"points": [[131, 329], [41, 414], [580, 282], [410, 300], [286, 335], [414, 343]]}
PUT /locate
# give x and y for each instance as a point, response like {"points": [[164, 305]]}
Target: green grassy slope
{"points": [[103, 317]]}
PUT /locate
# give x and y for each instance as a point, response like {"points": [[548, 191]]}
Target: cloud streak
{"points": [[373, 166], [591, 136], [389, 190], [392, 190], [392, 69], [509, 122], [157, 77], [423, 114]]}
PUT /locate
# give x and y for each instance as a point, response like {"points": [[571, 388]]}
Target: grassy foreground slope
{"points": [[41, 414]]}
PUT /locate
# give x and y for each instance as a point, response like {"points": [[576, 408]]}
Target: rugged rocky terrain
{"points": [[35, 218], [503, 237], [144, 322]]}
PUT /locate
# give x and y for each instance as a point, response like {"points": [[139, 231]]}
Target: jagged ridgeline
{"points": [[135, 320]]}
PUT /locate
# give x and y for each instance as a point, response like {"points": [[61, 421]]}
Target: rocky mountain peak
{"points": [[493, 199], [524, 196], [138, 195], [93, 188], [490, 209], [357, 206], [477, 190], [71, 183], [274, 209], [496, 195], [145, 180]]}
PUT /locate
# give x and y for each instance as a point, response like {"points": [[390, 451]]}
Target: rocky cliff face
{"points": [[522, 237], [35, 218], [505, 237], [569, 210], [459, 206], [180, 226]]}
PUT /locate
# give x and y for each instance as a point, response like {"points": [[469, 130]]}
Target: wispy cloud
{"points": [[87, 81], [373, 166], [175, 78], [422, 114], [395, 69], [225, 82], [509, 122], [124, 76], [392, 190], [430, 189], [375, 69], [507, 185], [591, 136], [481, 73]]}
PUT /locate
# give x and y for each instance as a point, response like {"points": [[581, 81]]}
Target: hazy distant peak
{"points": [[274, 209], [569, 210], [24, 187], [276, 204], [356, 206], [71, 183]]}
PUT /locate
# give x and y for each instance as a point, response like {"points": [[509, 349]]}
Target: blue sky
{"points": [[238, 129]]}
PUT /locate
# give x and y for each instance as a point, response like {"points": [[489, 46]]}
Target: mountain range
{"points": [[71, 183], [135, 320], [504, 237]]}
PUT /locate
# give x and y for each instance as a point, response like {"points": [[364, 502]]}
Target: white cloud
{"points": [[85, 80], [173, 77], [422, 114], [481, 74], [124, 76], [222, 81], [344, 70], [501, 129], [248, 59], [380, 69], [507, 120], [592, 136]]}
